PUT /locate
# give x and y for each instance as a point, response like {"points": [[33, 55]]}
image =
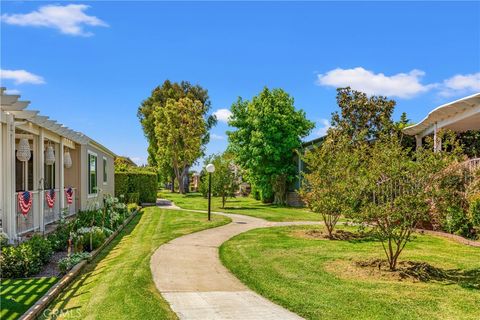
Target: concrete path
{"points": [[188, 273]]}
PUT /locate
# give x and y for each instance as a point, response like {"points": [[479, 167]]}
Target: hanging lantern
{"points": [[23, 152], [67, 159], [49, 156]]}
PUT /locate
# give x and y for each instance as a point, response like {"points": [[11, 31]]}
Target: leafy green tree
{"points": [[269, 130], [470, 141], [331, 185], [224, 179], [179, 130], [158, 99], [397, 191], [362, 116]]}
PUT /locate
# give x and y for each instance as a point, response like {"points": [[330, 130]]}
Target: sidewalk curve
{"points": [[188, 273]]}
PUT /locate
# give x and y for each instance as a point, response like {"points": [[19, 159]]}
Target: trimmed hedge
{"points": [[130, 183]]}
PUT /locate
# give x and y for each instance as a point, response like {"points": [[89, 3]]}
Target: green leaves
{"points": [[179, 131], [268, 131]]}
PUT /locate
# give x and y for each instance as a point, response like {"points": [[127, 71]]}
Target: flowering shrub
{"points": [[87, 232], [68, 263]]}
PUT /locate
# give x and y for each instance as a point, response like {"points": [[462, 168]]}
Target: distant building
{"points": [[460, 115], [293, 198]]}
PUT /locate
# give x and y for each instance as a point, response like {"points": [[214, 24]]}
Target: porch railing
{"points": [[71, 209], [51, 214], [32, 221]]}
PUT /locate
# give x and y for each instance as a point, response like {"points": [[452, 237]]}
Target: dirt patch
{"points": [[317, 234], [51, 268], [407, 271]]}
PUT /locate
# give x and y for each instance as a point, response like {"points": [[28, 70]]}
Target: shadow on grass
{"points": [[425, 272], [469, 279], [15, 300], [72, 290]]}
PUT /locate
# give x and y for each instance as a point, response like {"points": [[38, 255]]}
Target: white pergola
{"points": [[460, 115], [13, 115]]}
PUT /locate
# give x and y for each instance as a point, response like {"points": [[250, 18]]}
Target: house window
{"points": [[24, 175], [49, 182], [92, 173], [105, 177]]}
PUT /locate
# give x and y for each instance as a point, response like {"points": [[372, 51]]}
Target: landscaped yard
{"points": [[241, 205], [18, 295], [118, 284], [317, 278]]}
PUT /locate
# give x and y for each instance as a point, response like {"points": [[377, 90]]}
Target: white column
{"points": [[437, 142], [2, 170], [62, 177], [418, 140], [11, 203], [41, 177]]}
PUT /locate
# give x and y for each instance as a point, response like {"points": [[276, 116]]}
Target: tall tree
{"points": [[158, 99], [269, 130], [362, 116], [179, 131]]}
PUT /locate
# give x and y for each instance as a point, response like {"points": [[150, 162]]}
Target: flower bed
{"points": [[85, 233]]}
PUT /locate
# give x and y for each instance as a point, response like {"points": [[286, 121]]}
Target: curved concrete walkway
{"points": [[188, 273]]}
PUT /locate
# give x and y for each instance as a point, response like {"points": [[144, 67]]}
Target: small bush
{"points": [[132, 207], [68, 263], [456, 222], [59, 238], [20, 261], [91, 238], [475, 212], [41, 246], [3, 240], [133, 197]]}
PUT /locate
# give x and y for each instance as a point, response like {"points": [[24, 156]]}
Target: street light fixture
{"points": [[210, 169]]}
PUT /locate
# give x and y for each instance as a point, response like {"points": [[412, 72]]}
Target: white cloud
{"points": [[217, 137], [21, 76], [223, 115], [322, 128], [12, 91], [461, 84], [402, 85], [69, 19], [139, 160]]}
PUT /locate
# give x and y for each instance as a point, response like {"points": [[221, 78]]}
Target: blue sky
{"points": [[89, 65]]}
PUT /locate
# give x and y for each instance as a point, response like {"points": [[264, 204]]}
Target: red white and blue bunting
{"points": [[69, 195], [50, 196], [25, 201]]}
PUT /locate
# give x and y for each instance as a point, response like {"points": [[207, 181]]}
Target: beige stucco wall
{"points": [[88, 200]]}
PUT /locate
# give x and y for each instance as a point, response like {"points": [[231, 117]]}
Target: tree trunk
{"points": [[223, 201], [279, 185], [172, 187]]}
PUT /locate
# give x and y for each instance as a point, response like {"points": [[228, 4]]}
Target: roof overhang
{"points": [[460, 115], [9, 104]]}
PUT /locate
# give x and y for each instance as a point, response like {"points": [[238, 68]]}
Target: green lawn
{"points": [[241, 205], [118, 284], [312, 277], [18, 295]]}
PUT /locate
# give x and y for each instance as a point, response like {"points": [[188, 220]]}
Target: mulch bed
{"points": [[51, 268]]}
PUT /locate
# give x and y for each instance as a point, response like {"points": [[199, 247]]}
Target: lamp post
{"points": [[210, 169]]}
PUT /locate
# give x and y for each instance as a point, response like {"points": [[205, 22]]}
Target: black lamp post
{"points": [[210, 169]]}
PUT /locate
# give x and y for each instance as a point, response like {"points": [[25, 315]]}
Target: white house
{"points": [[46, 168], [459, 116]]}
